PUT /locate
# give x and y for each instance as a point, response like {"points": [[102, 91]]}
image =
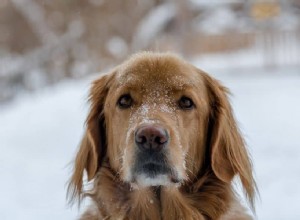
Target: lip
{"points": [[153, 169], [151, 175]]}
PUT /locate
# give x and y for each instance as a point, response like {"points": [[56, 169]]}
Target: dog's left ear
{"points": [[93, 144], [229, 155]]}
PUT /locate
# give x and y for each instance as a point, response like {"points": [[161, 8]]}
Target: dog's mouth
{"points": [[154, 171]]}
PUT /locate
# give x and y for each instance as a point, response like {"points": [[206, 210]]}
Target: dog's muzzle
{"points": [[151, 161]]}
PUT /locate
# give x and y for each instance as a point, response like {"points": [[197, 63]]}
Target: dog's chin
{"points": [[152, 175], [144, 180]]}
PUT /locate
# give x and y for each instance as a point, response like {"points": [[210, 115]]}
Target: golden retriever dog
{"points": [[161, 142]]}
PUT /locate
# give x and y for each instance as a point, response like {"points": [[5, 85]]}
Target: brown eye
{"points": [[125, 101], [186, 103]]}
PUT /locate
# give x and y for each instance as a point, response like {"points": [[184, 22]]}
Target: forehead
{"points": [[156, 73]]}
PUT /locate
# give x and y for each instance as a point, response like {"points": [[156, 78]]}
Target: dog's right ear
{"points": [[93, 145]]}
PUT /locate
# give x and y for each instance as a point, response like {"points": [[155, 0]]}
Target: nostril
{"points": [[160, 139], [157, 140], [141, 139]]}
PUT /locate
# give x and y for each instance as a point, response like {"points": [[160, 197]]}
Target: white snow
{"points": [[267, 105], [39, 134], [38, 138], [156, 19], [117, 46], [218, 21], [160, 180], [286, 52]]}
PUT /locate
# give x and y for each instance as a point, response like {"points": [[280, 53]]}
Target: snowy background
{"points": [[50, 50], [39, 134]]}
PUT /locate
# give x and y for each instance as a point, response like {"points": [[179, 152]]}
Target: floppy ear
{"points": [[229, 155], [93, 145]]}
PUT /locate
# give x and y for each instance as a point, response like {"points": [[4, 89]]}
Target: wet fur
{"points": [[218, 154]]}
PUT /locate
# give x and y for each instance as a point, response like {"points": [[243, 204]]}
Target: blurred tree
{"points": [[44, 41]]}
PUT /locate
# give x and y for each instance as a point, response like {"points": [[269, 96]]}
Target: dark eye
{"points": [[186, 103], [125, 101]]}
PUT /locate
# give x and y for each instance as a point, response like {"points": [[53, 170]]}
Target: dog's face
{"points": [[157, 120], [156, 116]]}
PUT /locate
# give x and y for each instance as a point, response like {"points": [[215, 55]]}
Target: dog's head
{"points": [[158, 120]]}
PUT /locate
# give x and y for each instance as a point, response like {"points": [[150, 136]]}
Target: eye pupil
{"points": [[186, 103], [125, 101]]}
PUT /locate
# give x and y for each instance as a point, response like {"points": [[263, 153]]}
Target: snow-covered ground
{"points": [[39, 134]]}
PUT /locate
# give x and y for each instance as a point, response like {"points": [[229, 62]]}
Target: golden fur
{"points": [[206, 149]]}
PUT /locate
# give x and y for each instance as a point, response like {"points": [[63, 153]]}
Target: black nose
{"points": [[151, 137]]}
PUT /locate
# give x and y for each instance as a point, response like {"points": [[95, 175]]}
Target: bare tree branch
{"points": [[35, 16]]}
